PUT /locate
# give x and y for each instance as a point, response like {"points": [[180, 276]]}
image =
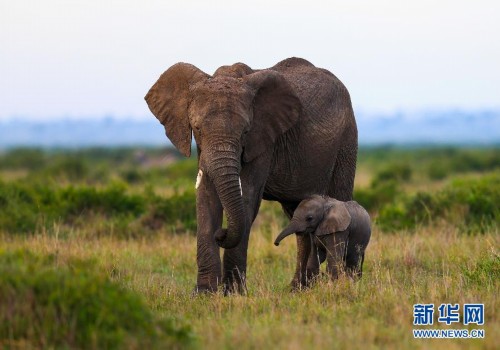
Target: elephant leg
{"points": [[316, 257], [300, 279], [354, 261], [253, 181], [309, 257], [209, 218], [335, 245], [235, 260], [304, 251]]}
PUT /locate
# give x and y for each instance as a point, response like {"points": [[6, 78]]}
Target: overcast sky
{"points": [[94, 58]]}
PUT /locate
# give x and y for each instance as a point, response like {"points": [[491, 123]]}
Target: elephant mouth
{"points": [[303, 233]]}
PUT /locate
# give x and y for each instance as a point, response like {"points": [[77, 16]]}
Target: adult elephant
{"points": [[283, 134]]}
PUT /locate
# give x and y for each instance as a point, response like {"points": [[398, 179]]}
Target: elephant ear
{"points": [[168, 100], [337, 218], [276, 109]]}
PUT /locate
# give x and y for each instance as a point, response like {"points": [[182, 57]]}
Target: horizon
{"points": [[444, 127], [408, 114]]}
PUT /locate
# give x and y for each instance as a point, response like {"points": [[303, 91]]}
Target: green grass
{"points": [[97, 250], [471, 204], [49, 300], [437, 265]]}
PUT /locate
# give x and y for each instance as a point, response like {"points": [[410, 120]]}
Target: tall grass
{"points": [[436, 265], [97, 251], [48, 301]]}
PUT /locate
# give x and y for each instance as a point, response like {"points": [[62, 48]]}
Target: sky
{"points": [[86, 59]]}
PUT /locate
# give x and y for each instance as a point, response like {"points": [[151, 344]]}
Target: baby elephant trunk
{"points": [[292, 228]]}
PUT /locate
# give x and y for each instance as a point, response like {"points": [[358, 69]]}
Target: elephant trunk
{"points": [[292, 228], [223, 170]]}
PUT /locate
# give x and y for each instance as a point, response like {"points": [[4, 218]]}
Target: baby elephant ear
{"points": [[337, 218]]}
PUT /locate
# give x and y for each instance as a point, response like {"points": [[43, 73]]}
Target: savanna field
{"points": [[98, 251]]}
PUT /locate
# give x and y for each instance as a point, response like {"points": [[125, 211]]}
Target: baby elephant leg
{"points": [[316, 258], [335, 245], [303, 251], [354, 260]]}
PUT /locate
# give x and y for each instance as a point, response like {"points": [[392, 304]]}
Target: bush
{"points": [[23, 158], [409, 212], [472, 204], [384, 187], [24, 206], [132, 175], [110, 201], [376, 196], [185, 169], [437, 171], [19, 206], [48, 304], [399, 172], [178, 211], [68, 168]]}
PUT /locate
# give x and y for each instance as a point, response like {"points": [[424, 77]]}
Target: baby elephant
{"points": [[339, 232]]}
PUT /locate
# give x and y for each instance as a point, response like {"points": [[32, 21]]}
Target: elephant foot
{"points": [[235, 288], [234, 281], [296, 286], [304, 281], [207, 285], [299, 285], [354, 274], [204, 290], [311, 276]]}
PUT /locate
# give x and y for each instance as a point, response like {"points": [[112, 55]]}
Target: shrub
{"points": [[479, 198], [132, 175], [109, 201], [23, 158], [384, 187], [68, 168], [409, 212], [437, 171], [399, 172], [183, 169], [177, 210], [376, 196], [472, 204], [25, 206], [19, 209], [48, 304]]}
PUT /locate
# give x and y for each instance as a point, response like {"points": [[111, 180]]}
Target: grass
{"points": [[50, 300], [437, 265], [144, 262]]}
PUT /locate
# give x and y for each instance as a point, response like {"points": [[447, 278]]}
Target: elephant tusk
{"points": [[198, 178], [241, 190]]}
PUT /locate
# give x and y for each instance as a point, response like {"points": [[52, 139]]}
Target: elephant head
{"points": [[235, 116], [317, 215]]}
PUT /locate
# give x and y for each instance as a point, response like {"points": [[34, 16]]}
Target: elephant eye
{"points": [[309, 218]]}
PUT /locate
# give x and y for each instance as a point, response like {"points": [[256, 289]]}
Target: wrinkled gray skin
{"points": [[287, 132], [338, 232]]}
